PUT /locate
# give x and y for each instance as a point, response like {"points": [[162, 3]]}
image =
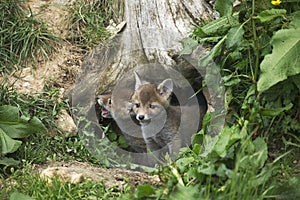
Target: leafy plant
{"points": [[236, 168], [18, 195], [44, 105], [37, 145], [14, 126], [283, 62], [244, 42]]}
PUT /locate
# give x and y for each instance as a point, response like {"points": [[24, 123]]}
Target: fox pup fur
{"points": [[159, 120]]}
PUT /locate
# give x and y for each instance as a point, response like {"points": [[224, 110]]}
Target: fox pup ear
{"points": [[138, 81], [165, 88]]}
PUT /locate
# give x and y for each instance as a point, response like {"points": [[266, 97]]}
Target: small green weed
{"points": [[106, 151]]}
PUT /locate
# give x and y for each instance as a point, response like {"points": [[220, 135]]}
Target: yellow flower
{"points": [[276, 2]]}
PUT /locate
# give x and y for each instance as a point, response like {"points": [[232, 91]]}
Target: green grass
{"points": [[23, 39], [28, 183], [87, 21]]}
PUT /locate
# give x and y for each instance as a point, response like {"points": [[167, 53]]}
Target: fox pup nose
{"points": [[141, 117]]}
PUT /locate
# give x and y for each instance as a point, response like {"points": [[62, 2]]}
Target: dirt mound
{"points": [[76, 172]]}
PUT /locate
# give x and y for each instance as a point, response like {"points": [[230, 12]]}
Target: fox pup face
{"points": [[150, 100], [106, 103]]}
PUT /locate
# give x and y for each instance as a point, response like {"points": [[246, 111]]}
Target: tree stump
{"points": [[150, 43]]}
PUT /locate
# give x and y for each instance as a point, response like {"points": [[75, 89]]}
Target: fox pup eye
{"points": [[109, 101], [151, 106], [137, 105]]}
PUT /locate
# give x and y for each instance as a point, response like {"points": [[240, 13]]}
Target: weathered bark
{"points": [[153, 34]]}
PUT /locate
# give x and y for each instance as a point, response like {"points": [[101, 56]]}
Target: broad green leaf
{"points": [[234, 36], [19, 196], [207, 169], [284, 60], [261, 152], [16, 126], [216, 27], [196, 148], [223, 171], [295, 23], [9, 161], [224, 7], [226, 138], [275, 112], [221, 146], [208, 145], [8, 145], [205, 61], [257, 154], [198, 138], [190, 192], [182, 163], [189, 45], [144, 191], [268, 15], [206, 121]]}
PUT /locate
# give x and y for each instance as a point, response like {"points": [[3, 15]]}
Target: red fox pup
{"points": [[159, 121], [105, 102]]}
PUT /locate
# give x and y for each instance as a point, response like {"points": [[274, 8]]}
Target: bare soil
{"points": [[62, 68]]}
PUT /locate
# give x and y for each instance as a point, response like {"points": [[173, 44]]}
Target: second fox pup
{"points": [[105, 102], [159, 121]]}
